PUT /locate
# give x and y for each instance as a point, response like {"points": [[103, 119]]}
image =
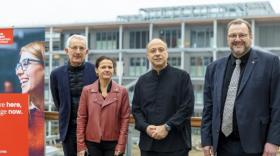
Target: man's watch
{"points": [[167, 127]]}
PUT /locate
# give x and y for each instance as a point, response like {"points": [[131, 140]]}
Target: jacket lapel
{"points": [[98, 97], [220, 80], [65, 78], [112, 96], [65, 84], [86, 74], [248, 70]]}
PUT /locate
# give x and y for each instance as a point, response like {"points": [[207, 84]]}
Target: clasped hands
{"points": [[157, 132]]}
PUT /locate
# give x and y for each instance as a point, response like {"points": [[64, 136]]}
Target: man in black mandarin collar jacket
{"points": [[162, 106]]}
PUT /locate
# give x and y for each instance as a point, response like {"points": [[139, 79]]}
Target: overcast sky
{"points": [[20, 13]]}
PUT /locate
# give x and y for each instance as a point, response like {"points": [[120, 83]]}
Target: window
{"points": [[171, 36], [137, 66], [57, 41], [269, 36], [46, 92], [175, 61], [59, 59], [198, 65], [138, 39], [107, 40], [201, 38], [198, 94]]}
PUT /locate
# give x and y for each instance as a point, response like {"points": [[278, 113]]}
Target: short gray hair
{"points": [[77, 36]]}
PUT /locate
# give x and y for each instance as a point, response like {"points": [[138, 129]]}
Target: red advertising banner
{"points": [[22, 115], [6, 36], [14, 124]]}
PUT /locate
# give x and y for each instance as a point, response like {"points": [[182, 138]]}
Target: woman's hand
{"points": [[117, 153], [81, 153]]}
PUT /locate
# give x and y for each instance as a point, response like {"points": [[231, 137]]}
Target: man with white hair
{"points": [[67, 83]]}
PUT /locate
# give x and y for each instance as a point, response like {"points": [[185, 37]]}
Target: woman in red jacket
{"points": [[102, 123]]}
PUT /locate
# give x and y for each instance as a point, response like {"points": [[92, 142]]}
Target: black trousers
{"points": [[104, 148], [176, 153], [232, 147], [70, 143]]}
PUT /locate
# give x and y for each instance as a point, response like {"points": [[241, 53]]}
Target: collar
{"points": [[94, 87], [109, 86], [243, 59], [161, 72], [32, 106], [78, 68]]}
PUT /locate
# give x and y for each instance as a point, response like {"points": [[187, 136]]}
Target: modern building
{"points": [[195, 35]]}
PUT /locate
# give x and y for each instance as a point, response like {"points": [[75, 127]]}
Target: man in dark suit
{"points": [[67, 83], [241, 115], [162, 106]]}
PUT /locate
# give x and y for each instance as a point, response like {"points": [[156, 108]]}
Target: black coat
{"points": [[164, 98]]}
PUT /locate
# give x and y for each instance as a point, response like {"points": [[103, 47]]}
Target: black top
{"points": [[108, 88], [228, 73], [76, 85], [164, 98]]}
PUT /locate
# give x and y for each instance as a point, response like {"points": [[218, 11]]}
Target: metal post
{"points": [[120, 63], [86, 34], [150, 38], [50, 69], [182, 45], [215, 39], [253, 23]]}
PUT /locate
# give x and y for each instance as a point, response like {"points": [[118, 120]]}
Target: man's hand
{"points": [[270, 149], [81, 153], [208, 151], [160, 132], [150, 130]]}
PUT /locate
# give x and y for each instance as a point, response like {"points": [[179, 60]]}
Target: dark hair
{"points": [[101, 58], [240, 21]]}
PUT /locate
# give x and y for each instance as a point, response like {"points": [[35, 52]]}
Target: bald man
{"points": [[162, 106]]}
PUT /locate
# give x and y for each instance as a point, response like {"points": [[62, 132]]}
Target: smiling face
{"points": [[239, 39], [76, 51], [157, 54], [105, 69], [30, 73]]}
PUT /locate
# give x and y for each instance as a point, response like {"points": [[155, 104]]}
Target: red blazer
{"points": [[102, 119]]}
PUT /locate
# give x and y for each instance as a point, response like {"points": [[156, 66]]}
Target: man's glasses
{"points": [[154, 50], [23, 65], [78, 48], [234, 36]]}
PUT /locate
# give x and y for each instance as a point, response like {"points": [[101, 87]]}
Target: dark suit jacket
{"points": [[257, 103], [61, 93]]}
